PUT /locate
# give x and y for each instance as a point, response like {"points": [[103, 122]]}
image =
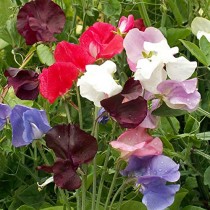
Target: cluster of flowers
{"points": [[158, 77]]}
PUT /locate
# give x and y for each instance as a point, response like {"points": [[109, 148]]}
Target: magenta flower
{"points": [[126, 23], [24, 82], [128, 108], [39, 20], [137, 142], [27, 124], [152, 173], [180, 95], [5, 112], [72, 147]]}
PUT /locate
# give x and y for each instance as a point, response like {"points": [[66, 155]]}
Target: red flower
{"points": [[75, 54], [57, 79], [39, 20], [101, 41]]}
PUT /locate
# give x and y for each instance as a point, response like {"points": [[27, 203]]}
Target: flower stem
{"points": [[78, 199], [84, 180], [95, 134], [111, 188], [67, 112], [102, 178], [143, 12], [202, 111], [80, 107]]}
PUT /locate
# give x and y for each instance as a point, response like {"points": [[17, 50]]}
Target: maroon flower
{"points": [[72, 147], [128, 108], [24, 82], [39, 20]]}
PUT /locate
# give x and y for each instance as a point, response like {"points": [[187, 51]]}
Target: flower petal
{"points": [[39, 20], [70, 142], [75, 54], [57, 79], [200, 24], [5, 112]]}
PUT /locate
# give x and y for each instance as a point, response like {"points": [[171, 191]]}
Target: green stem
{"points": [[67, 112], [39, 147], [84, 180], [66, 203], [102, 177], [121, 199], [95, 134], [111, 188], [143, 13], [78, 199], [202, 111], [116, 194], [79, 107]]}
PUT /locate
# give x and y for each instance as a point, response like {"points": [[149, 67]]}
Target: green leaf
{"points": [[178, 199], [3, 164], [195, 51], [31, 196], [54, 208], [5, 10], [25, 207], [192, 208], [45, 54], [174, 34], [205, 48], [207, 177], [112, 8], [166, 127], [132, 205], [11, 99], [165, 111], [9, 33], [3, 44]]}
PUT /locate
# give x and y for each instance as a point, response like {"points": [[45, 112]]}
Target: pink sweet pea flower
{"points": [[101, 41], [126, 23], [137, 142], [134, 43], [180, 95]]}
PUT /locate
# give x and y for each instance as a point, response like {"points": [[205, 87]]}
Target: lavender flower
{"points": [[152, 173], [27, 124], [5, 112]]}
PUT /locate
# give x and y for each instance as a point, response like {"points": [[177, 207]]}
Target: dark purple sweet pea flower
{"points": [[180, 95], [5, 112], [72, 147], [152, 173], [39, 20], [128, 108], [24, 82], [27, 124]]}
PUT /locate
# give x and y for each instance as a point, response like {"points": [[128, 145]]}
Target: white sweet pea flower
{"points": [[162, 50], [97, 83], [150, 73], [201, 27], [180, 69]]}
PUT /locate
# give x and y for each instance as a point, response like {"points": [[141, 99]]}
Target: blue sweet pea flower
{"points": [[27, 124], [152, 173], [5, 112], [102, 116]]}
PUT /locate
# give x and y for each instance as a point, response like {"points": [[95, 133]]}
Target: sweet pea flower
{"points": [[5, 112], [126, 23], [101, 41], [128, 107], [27, 124], [201, 27], [102, 116], [24, 82], [72, 147], [137, 142], [39, 20], [152, 173], [153, 60], [97, 83], [180, 95]]}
